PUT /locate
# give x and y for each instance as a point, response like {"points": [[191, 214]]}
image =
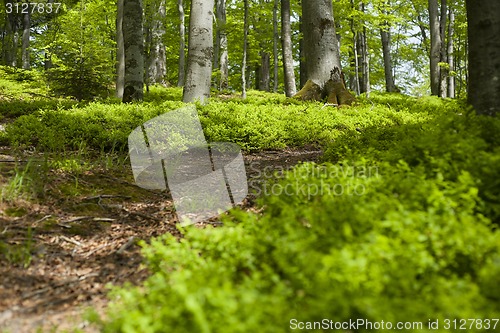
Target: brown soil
{"points": [[81, 233]]}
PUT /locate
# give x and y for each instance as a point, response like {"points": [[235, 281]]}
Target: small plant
{"points": [[18, 254]]}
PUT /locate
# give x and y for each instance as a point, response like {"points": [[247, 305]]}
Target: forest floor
{"points": [[81, 234]]}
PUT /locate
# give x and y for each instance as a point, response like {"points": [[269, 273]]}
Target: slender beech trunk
{"points": [[363, 56], [286, 40], [157, 67], [435, 51], [354, 77], [134, 50], [390, 86], [264, 71], [120, 51], [302, 61], [200, 52], [451, 64], [10, 39], [275, 45], [245, 41], [443, 73], [221, 60], [182, 45], [25, 48], [483, 18]]}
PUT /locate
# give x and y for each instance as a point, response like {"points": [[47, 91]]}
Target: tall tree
{"points": [[443, 57], [11, 37], [275, 45], [321, 50], [157, 68], [264, 71], [435, 52], [484, 55], [364, 60], [451, 59], [120, 51], [182, 45], [134, 50], [320, 40], [245, 46], [200, 52], [385, 34], [221, 54], [286, 40], [25, 47]]}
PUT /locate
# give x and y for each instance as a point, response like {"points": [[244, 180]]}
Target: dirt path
{"points": [[82, 235]]}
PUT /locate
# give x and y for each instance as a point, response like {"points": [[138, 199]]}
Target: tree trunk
{"points": [[157, 68], [451, 60], [435, 53], [265, 71], [443, 72], [245, 41], [25, 48], [182, 45], [302, 62], [200, 52], [354, 75], [386, 50], [364, 61], [286, 40], [221, 55], [483, 18], [275, 45], [134, 50], [11, 37], [322, 55], [120, 51], [320, 40]]}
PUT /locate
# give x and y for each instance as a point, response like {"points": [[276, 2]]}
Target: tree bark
{"points": [[200, 52], [245, 41], [322, 55], [365, 64], [443, 71], [483, 18], [264, 71], [134, 50], [385, 34], [286, 40], [320, 40], [25, 48], [10, 39], [435, 53], [451, 60], [275, 46], [390, 86], [302, 61], [221, 55], [157, 67], [120, 51], [182, 45]]}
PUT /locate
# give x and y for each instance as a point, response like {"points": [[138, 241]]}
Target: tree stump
{"points": [[333, 90]]}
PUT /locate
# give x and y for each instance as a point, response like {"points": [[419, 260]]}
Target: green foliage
{"points": [[396, 225], [26, 182], [18, 254], [81, 51]]}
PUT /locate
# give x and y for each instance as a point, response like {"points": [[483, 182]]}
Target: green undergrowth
{"points": [[262, 121], [399, 224]]}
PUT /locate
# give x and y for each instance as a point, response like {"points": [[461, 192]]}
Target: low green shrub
{"points": [[400, 246], [399, 224]]}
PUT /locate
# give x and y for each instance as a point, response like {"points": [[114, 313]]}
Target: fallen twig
{"points": [[125, 246], [69, 240]]}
